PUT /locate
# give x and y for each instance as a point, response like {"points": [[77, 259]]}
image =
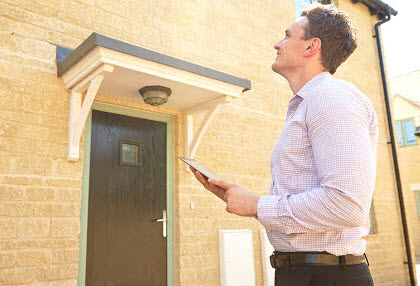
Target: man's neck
{"points": [[298, 80]]}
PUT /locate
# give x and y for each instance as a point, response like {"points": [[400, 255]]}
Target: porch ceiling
{"points": [[134, 67]]}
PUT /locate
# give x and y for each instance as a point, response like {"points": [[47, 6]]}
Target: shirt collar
{"points": [[307, 89]]}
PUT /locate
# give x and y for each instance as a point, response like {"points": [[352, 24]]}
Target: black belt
{"points": [[285, 259]]}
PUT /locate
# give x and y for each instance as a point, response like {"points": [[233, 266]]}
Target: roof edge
{"points": [[377, 7], [413, 102], [95, 39]]}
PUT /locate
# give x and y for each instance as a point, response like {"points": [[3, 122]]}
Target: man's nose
{"points": [[277, 46]]}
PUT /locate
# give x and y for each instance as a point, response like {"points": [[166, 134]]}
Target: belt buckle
{"points": [[311, 258]]}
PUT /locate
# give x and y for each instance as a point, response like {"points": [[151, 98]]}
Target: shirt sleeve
{"points": [[339, 133]]}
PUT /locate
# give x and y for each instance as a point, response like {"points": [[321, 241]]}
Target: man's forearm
{"points": [[317, 210]]}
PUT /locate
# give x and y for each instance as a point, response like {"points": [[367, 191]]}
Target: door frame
{"points": [[170, 259]]}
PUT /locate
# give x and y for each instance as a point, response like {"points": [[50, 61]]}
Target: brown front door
{"points": [[127, 193]]}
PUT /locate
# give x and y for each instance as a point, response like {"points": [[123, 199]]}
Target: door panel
{"points": [[125, 245]]}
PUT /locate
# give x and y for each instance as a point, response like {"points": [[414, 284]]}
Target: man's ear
{"points": [[313, 47]]}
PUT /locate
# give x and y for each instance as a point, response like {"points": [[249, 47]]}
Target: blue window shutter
{"points": [[300, 6], [399, 133], [409, 132]]}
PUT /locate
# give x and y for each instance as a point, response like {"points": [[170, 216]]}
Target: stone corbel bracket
{"points": [[192, 141], [79, 112]]}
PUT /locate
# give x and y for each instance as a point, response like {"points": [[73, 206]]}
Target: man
{"points": [[323, 165]]}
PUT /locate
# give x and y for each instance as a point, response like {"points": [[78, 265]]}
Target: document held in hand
{"points": [[199, 167]]}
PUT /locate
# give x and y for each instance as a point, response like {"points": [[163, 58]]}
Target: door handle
{"points": [[163, 220]]}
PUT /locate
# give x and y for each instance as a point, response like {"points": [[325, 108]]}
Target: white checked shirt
{"points": [[323, 171]]}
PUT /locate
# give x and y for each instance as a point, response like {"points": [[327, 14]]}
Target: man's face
{"points": [[291, 48]]}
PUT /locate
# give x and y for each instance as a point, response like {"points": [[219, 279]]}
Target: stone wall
{"points": [[40, 190], [409, 156]]}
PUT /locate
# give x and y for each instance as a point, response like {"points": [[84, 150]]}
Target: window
{"points": [[131, 153], [301, 4], [405, 132]]}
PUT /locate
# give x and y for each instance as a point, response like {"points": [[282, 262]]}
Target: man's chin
{"points": [[275, 67]]}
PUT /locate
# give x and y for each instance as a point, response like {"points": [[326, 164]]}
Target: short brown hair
{"points": [[336, 32]]}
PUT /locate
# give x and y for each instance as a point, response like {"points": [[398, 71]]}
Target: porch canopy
{"points": [[118, 69]]}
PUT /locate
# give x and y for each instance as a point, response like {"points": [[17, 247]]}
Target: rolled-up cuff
{"points": [[267, 210]]}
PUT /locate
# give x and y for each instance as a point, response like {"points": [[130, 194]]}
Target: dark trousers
{"points": [[347, 275]]}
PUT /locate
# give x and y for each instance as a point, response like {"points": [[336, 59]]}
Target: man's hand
{"points": [[238, 200]]}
